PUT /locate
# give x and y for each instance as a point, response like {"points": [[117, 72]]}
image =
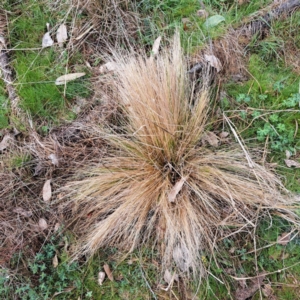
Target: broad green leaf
{"points": [[214, 21]]}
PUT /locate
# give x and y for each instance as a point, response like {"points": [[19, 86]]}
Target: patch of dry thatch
{"points": [[25, 165], [157, 183], [110, 22]]}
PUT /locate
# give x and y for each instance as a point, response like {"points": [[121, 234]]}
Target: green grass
{"points": [[4, 107], [37, 69]]}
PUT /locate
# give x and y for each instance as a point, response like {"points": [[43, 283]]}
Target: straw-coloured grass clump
{"points": [[158, 182]]}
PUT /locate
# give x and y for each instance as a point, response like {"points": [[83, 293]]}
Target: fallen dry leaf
{"points": [[47, 40], [108, 67], [176, 189], [5, 142], [68, 77], [284, 238], [292, 163], [43, 224], [155, 46], [169, 278], [108, 272], [185, 21], [54, 159], [47, 192], [202, 13], [23, 212], [2, 41], [56, 227], [223, 134], [55, 261], [214, 62], [61, 34], [101, 277], [211, 138], [232, 250], [288, 154]]}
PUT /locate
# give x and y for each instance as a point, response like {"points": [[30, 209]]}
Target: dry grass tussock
{"points": [[158, 183]]}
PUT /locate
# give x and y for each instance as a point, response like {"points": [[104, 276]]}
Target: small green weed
{"points": [[69, 280], [269, 105], [48, 280]]}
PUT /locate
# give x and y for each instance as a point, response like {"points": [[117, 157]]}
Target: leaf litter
{"points": [[42, 224], [68, 77], [47, 40], [61, 34], [101, 277], [155, 47], [5, 142], [108, 272], [47, 191], [211, 138], [292, 163], [54, 159], [213, 61], [176, 189], [55, 261]]}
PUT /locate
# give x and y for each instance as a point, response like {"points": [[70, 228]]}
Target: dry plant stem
{"points": [[123, 201], [265, 274]]}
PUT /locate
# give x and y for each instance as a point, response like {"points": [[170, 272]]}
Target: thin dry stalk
{"points": [[124, 200]]}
